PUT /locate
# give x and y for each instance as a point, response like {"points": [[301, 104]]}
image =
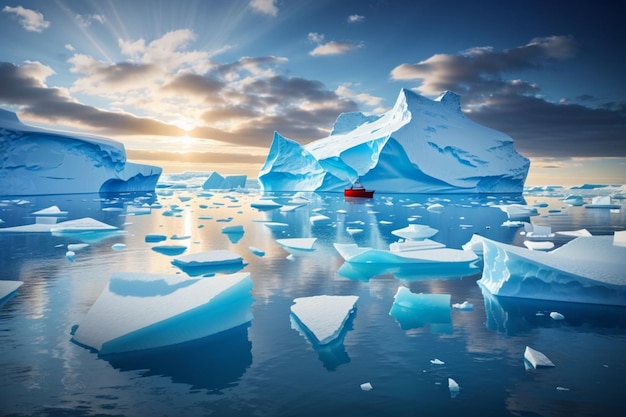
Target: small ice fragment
{"points": [[50, 211], [256, 251], [70, 255], [304, 243], [290, 257], [76, 246], [465, 305], [236, 228], [453, 387], [353, 230], [170, 250], [557, 316], [366, 386], [324, 315], [319, 219], [118, 246], [265, 204], [155, 237], [435, 208], [536, 358], [562, 389], [437, 361]]}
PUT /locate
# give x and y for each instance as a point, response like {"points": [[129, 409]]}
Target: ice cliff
{"points": [[419, 146], [36, 161]]}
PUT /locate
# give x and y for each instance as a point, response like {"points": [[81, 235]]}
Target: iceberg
{"points": [[536, 358], [228, 182], [35, 161], [323, 316], [419, 146], [603, 202], [139, 311], [413, 311], [585, 270]]}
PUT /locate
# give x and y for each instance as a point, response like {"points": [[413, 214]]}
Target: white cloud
{"points": [[355, 18], [70, 47], [345, 92], [333, 48], [264, 6], [316, 37], [87, 19], [31, 20]]}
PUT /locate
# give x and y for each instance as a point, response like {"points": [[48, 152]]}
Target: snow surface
{"points": [[36, 161], [140, 311], [418, 146], [586, 270], [324, 315]]}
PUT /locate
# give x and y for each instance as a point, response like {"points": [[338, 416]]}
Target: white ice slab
{"points": [[301, 243], [140, 311], [208, 258], [50, 211], [533, 245], [415, 232], [536, 358], [7, 287], [324, 315], [265, 204]]}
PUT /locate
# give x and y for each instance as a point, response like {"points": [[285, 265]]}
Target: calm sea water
{"points": [[266, 368]]}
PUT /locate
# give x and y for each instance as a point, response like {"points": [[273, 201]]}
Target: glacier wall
{"points": [[36, 161], [419, 146]]}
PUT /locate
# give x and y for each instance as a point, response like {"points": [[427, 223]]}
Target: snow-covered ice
{"points": [[418, 146], [139, 311], [324, 315], [54, 211], [585, 270], [39, 161], [415, 232]]}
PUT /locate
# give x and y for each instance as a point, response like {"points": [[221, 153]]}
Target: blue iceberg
{"points": [[419, 146], [36, 161], [588, 269]]}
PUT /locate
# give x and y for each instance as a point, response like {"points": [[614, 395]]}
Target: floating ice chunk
{"points": [[290, 257], [300, 243], [538, 232], [236, 228], [324, 315], [76, 246], [70, 255], [353, 230], [512, 223], [318, 219], [574, 233], [85, 224], [518, 211], [555, 315], [536, 358], [415, 232], [437, 361], [138, 210], [585, 270], [573, 200], [603, 202], [265, 204], [619, 238], [465, 305], [257, 251], [435, 208], [118, 246], [350, 252], [140, 311], [155, 237], [275, 225], [292, 207], [170, 250], [453, 387], [366, 386], [412, 245], [413, 311], [208, 258], [8, 288], [532, 245], [50, 211]]}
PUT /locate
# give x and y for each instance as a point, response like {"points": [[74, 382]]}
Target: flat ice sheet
{"points": [[212, 257], [8, 287], [324, 315]]}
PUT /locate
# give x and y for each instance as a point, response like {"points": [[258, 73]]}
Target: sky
{"points": [[202, 85]]}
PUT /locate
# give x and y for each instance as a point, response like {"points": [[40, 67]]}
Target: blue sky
{"points": [[202, 85]]}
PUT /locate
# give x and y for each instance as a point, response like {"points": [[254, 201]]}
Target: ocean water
{"points": [[266, 367]]}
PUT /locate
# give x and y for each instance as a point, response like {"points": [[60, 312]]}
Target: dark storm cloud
{"points": [[18, 86], [516, 107]]}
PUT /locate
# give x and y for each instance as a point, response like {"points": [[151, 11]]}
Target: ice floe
{"points": [[351, 252], [8, 288], [415, 232], [298, 243], [221, 260], [413, 310], [585, 270], [139, 311], [50, 211], [323, 316]]}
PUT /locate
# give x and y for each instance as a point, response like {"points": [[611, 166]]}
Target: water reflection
{"points": [[513, 316], [213, 363]]}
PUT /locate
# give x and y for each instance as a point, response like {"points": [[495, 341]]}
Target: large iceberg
{"points": [[36, 161], [419, 146]]}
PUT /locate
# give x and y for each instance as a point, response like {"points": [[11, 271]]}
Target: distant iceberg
{"points": [[419, 146], [139, 311], [584, 270], [228, 182], [36, 161]]}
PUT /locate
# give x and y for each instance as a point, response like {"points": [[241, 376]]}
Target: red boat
{"points": [[358, 191]]}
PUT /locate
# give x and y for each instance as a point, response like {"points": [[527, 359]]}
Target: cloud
{"points": [[264, 6], [355, 18], [515, 106], [31, 20], [333, 48], [86, 20], [316, 37]]}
